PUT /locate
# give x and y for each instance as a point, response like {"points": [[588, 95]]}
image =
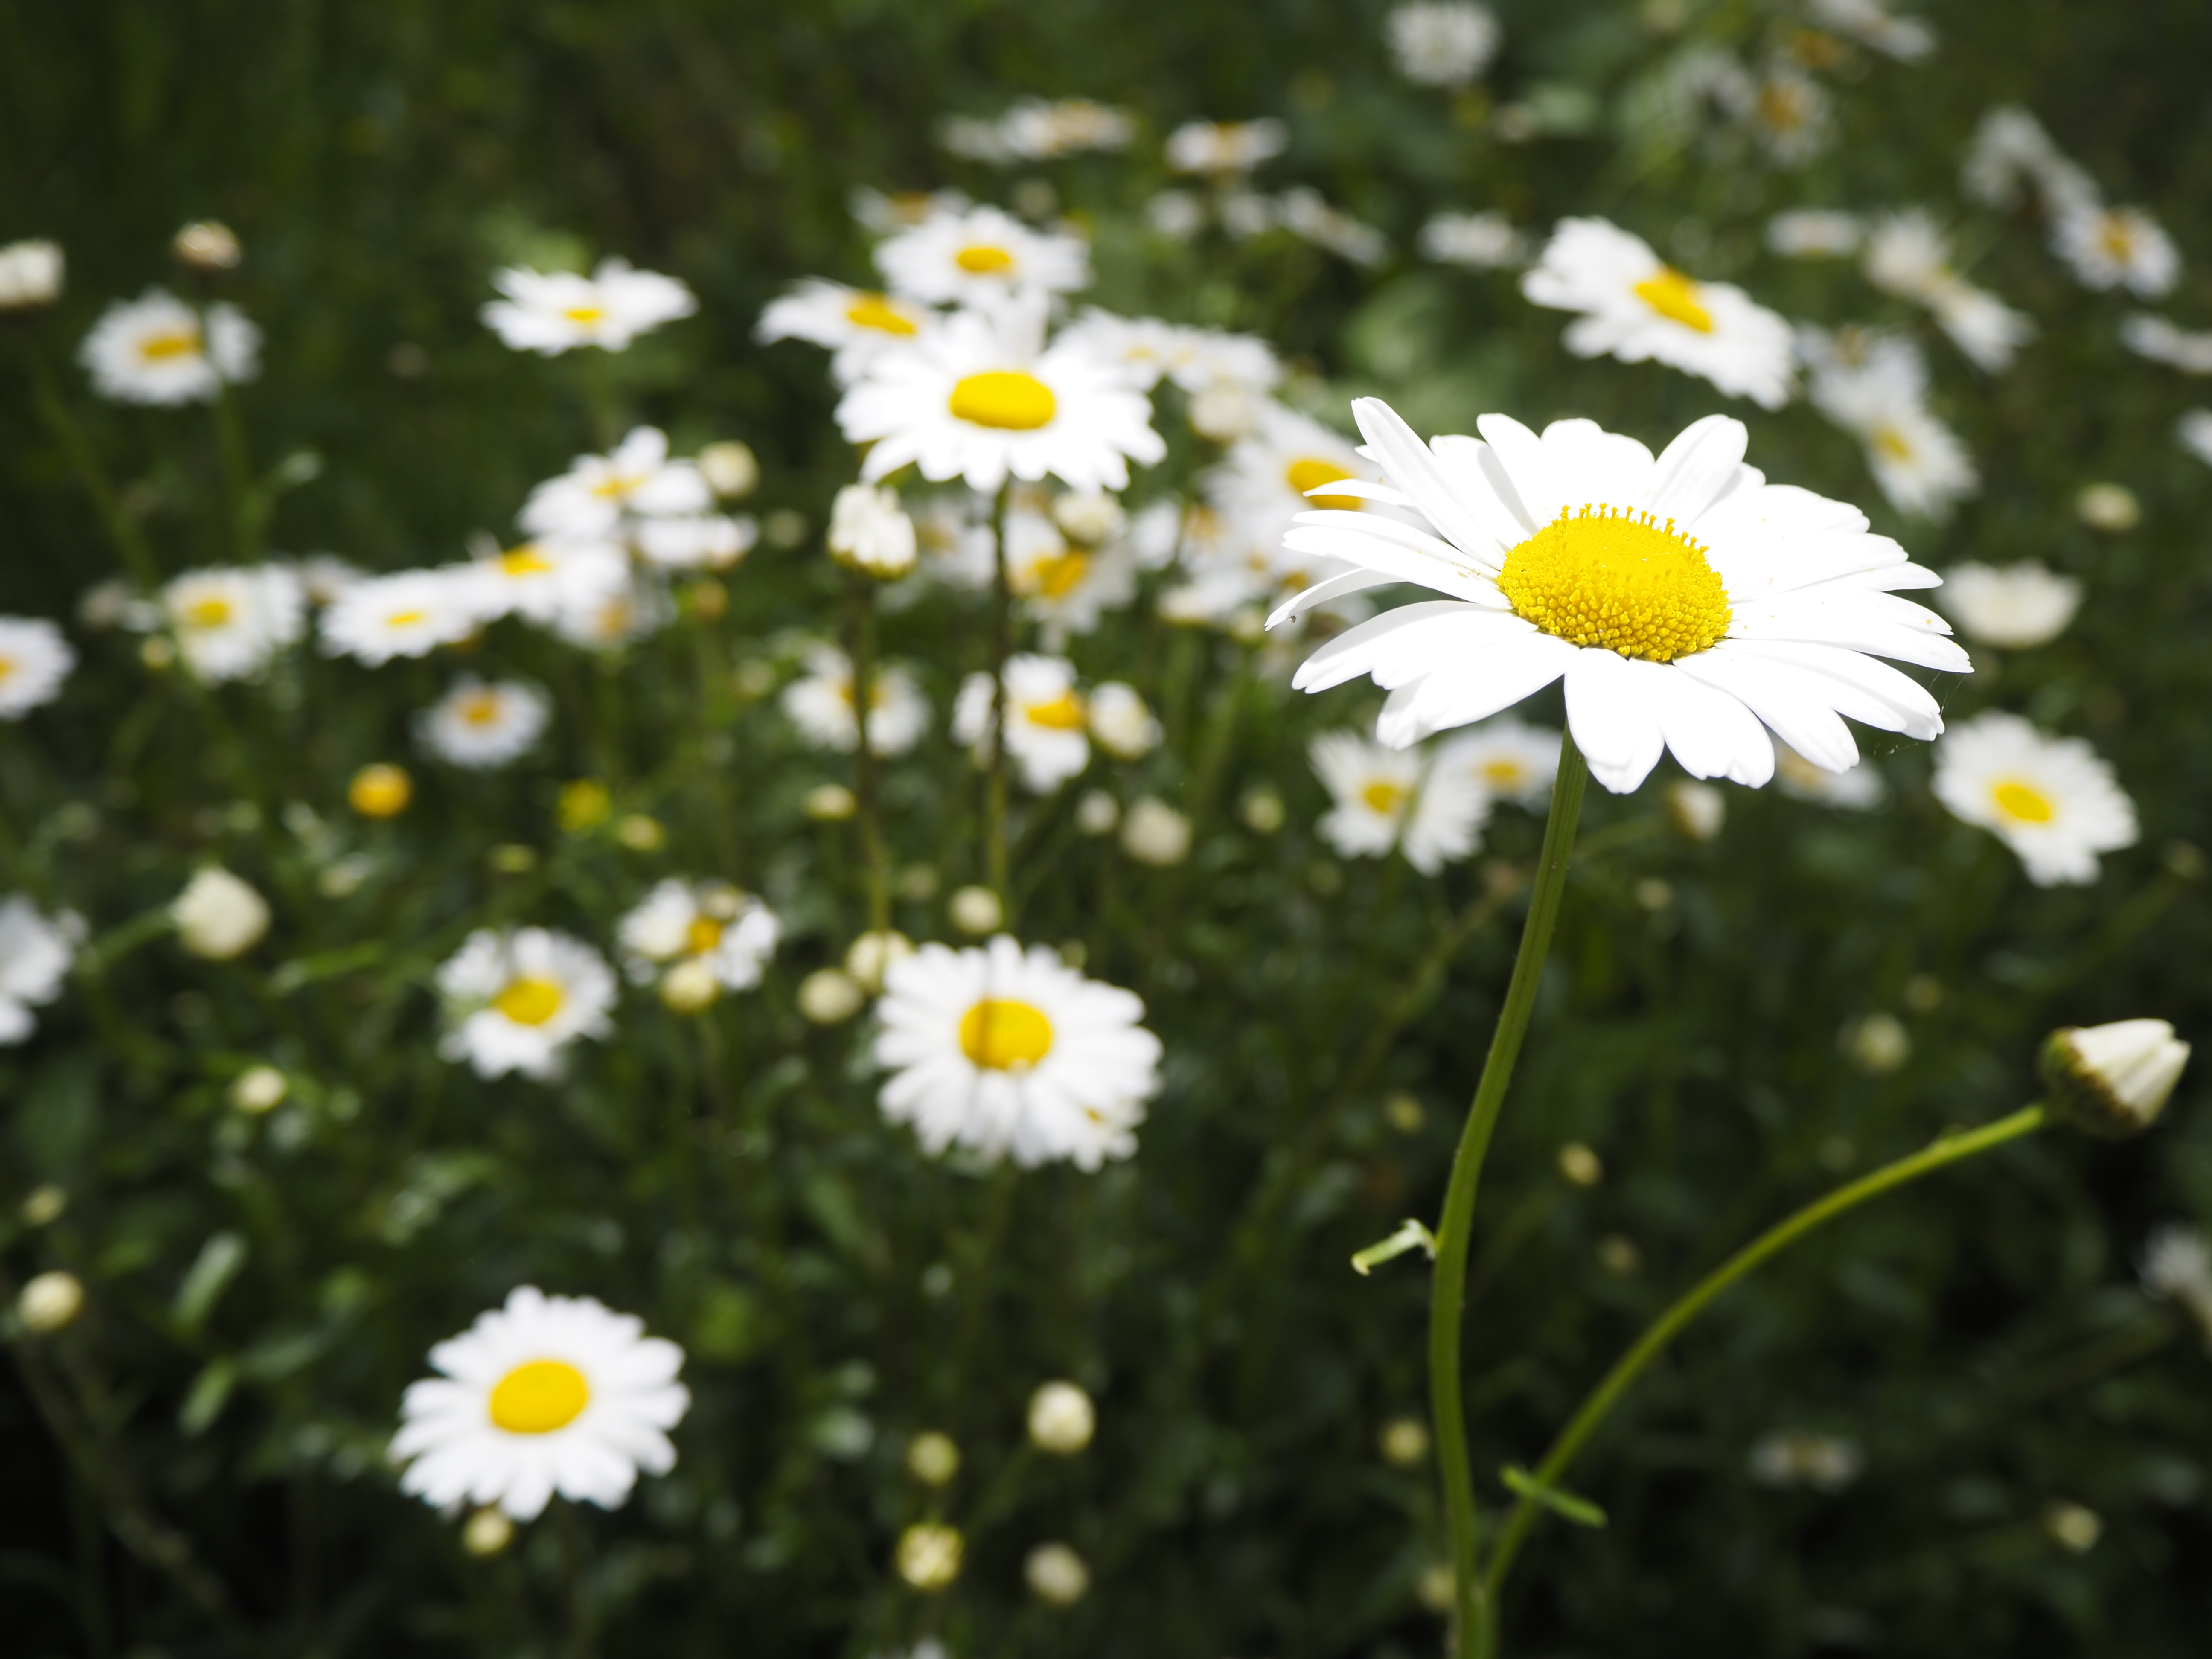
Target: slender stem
{"points": [[1002, 625], [137, 557], [1447, 1292], [860, 647], [246, 514], [1949, 1150]]}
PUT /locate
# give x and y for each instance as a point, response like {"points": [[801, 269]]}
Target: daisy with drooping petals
{"points": [[538, 581], [157, 349], [1225, 149], [2015, 606], [853, 323], [1066, 586], [1398, 798], [1046, 719], [2116, 247], [1637, 307], [228, 621], [516, 997], [2052, 800], [34, 660], [980, 257], [549, 1394], [712, 922], [983, 397], [591, 500], [1010, 1053], [1875, 387], [1909, 254], [1684, 600], [550, 312], [409, 614], [1511, 759], [820, 704], [482, 725], [35, 954]]}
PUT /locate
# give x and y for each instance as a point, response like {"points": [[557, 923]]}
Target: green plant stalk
{"points": [[1949, 1150], [122, 529], [1002, 626], [1447, 1290], [860, 645]]}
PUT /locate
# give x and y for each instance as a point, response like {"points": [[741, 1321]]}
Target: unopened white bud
{"points": [[258, 1089], [831, 803], [1877, 1043], [1155, 833], [219, 916], [1224, 413], [49, 1302], [487, 1532], [870, 957], [30, 274], [2112, 1081], [1062, 1419], [868, 532], [976, 911], [1697, 810], [1056, 1574], [1405, 1442], [929, 1555], [207, 244], [1092, 516], [1263, 811], [2076, 1529], [1119, 719], [690, 987], [730, 469], [828, 997], [1097, 813], [2108, 507], [933, 1458]]}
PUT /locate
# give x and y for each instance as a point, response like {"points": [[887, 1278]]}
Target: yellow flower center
{"points": [[875, 311], [1618, 580], [1063, 713], [1006, 398], [1311, 473], [480, 707], [2023, 802], [1503, 774], [1005, 1035], [530, 1001], [207, 613], [179, 342], [1782, 108], [584, 316], [1385, 798], [1674, 297], [524, 560], [7, 666], [614, 486], [1058, 575], [702, 935], [404, 618], [1889, 441], [380, 791], [984, 259], [2117, 237], [539, 1397]]}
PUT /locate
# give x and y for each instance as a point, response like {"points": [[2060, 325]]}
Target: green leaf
{"points": [[211, 1392], [218, 1263], [1564, 1504]]}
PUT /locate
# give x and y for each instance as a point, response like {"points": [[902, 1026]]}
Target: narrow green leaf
{"points": [[1564, 1504]]}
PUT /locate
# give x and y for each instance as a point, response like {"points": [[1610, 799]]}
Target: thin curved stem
{"points": [[1002, 627], [860, 646], [1447, 1291], [1949, 1150]]}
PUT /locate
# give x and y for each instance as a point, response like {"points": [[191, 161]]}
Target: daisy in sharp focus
{"points": [[482, 725], [980, 256], [1637, 307], [549, 1394], [713, 922], [820, 704], [2015, 606], [853, 323], [1511, 759], [2116, 247], [1045, 717], [550, 312], [985, 399], [35, 954], [409, 614], [228, 621], [34, 660], [516, 997], [1400, 800], [1684, 600], [1010, 1053], [157, 349], [2052, 800]]}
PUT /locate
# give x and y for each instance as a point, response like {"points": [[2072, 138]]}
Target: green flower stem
{"points": [[860, 640], [1447, 1291], [1949, 1150], [122, 528], [1002, 626]]}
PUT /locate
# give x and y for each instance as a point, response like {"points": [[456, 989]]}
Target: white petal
{"points": [[1612, 721], [1485, 487], [1697, 466], [1410, 466], [1499, 674], [1403, 645], [1852, 682], [1543, 497], [1785, 701], [1710, 731], [1356, 538], [1335, 587]]}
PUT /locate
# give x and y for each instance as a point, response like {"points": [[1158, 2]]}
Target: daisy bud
{"points": [[829, 998], [784, 528], [690, 986], [869, 533], [43, 1204], [1405, 1114], [487, 1533], [218, 916], [830, 803], [1877, 1044], [1062, 1419], [2076, 1529], [1097, 813], [30, 274], [379, 791], [1224, 413], [2111, 1081], [1696, 810], [929, 1555], [1155, 833], [1405, 1443], [1435, 1589], [2108, 507], [49, 1302], [730, 469], [976, 911], [1581, 1165], [640, 833], [869, 956], [1125, 727], [258, 1089], [207, 244], [933, 1459], [1262, 810], [584, 805], [1092, 516], [1056, 1574]]}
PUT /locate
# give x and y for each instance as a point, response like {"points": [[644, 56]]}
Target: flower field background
{"points": [[1976, 1417]]}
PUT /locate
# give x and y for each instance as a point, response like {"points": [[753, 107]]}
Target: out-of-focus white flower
{"points": [[853, 323], [1046, 718], [722, 928], [591, 501], [545, 1394], [884, 215], [1874, 385], [1283, 467], [1153, 832], [928, 1557], [2009, 147], [1871, 23], [2116, 247], [157, 349], [2017, 606], [34, 660], [2108, 507], [1175, 214], [868, 532], [1224, 149], [1062, 1418], [35, 954], [1056, 1574], [2052, 800], [1305, 213], [259, 1089], [730, 468], [516, 997], [218, 916], [1036, 130], [2112, 1081], [828, 996], [608, 622], [1509, 760], [482, 725], [49, 1302], [1065, 588], [1697, 810], [229, 620], [1398, 798], [1097, 812], [1877, 1043], [2194, 428], [1792, 115], [820, 704], [1482, 241], [980, 257], [2156, 338], [1815, 234], [1805, 1458], [1121, 720], [1858, 790], [1636, 307], [30, 274], [539, 580], [1909, 254], [1089, 516], [831, 803], [550, 312], [1012, 1053], [410, 614], [207, 244], [869, 956], [1441, 43], [976, 911], [2177, 1266]]}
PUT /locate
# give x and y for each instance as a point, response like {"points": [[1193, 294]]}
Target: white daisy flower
{"points": [[229, 620], [1481, 241], [853, 323], [2016, 606], [538, 581], [1509, 759], [2116, 247], [728, 930], [869, 532], [1684, 600], [324, 576], [1266, 480], [2009, 147], [1229, 579], [597, 496], [157, 349], [550, 312], [516, 997], [1122, 722], [549, 1394], [1815, 234], [2158, 340], [1012, 1053], [1304, 212], [2052, 800], [820, 704], [1441, 43], [1064, 587], [1637, 308], [884, 214], [1859, 790], [1036, 130], [1224, 149], [1398, 799], [980, 257], [2194, 429], [409, 614], [984, 398], [692, 541], [608, 622], [34, 660], [958, 545], [1872, 24], [35, 954], [1045, 719], [1874, 386], [482, 724], [1793, 116], [1909, 254]]}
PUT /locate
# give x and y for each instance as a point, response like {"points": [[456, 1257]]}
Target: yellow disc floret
{"points": [[1674, 297], [529, 1000], [2023, 803], [1063, 713], [539, 1397], [1311, 473], [180, 343], [877, 312], [1385, 798], [1620, 579], [702, 935], [984, 259], [1004, 1035], [1006, 398]]}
